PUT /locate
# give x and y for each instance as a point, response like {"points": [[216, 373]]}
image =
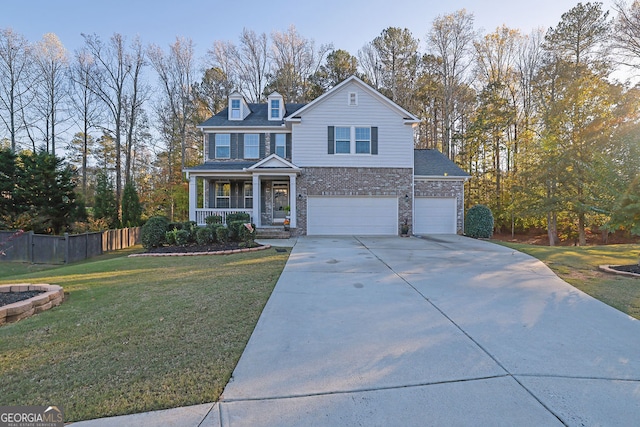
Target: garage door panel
{"points": [[435, 215], [352, 215]]}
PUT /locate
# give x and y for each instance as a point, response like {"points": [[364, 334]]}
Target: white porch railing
{"points": [[202, 214]]}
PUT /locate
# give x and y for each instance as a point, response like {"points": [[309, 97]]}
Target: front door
{"points": [[280, 201]]}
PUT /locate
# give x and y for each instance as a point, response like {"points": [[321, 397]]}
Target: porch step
{"points": [[272, 233]]}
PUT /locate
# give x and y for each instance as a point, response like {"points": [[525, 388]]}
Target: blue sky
{"points": [[348, 24]]}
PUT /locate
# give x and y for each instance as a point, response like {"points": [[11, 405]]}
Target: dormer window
{"points": [[275, 108], [235, 108]]}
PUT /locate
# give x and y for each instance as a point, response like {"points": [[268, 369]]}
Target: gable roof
{"points": [[432, 163], [257, 118], [407, 116]]}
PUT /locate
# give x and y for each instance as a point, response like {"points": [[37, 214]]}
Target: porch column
{"points": [[293, 198], [257, 220], [193, 197]]}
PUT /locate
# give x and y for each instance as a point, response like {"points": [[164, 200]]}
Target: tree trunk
{"points": [[552, 228], [582, 236]]}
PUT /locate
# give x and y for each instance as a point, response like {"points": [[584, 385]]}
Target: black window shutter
{"points": [[212, 146], [233, 146], [263, 146], [241, 146], [374, 140], [288, 149], [272, 143], [330, 140]]}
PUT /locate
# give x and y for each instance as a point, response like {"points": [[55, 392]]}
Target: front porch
{"points": [[268, 198]]}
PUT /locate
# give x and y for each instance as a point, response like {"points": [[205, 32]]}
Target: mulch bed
{"points": [[627, 268], [216, 247], [7, 298]]}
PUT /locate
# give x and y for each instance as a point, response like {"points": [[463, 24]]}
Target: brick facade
{"points": [[342, 181], [444, 188]]}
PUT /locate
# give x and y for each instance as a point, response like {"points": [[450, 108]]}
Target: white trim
{"points": [[423, 178], [409, 118], [285, 164]]}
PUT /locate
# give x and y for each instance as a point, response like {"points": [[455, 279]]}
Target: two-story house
{"points": [[341, 164]]}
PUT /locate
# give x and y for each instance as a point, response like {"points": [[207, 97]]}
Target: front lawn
{"points": [[579, 267], [136, 334]]}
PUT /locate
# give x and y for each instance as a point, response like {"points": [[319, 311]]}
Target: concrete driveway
{"points": [[438, 331]]}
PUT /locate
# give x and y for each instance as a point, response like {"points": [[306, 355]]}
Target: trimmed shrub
{"points": [[235, 229], [478, 222], [170, 237], [182, 237], [175, 226], [154, 231], [247, 233], [213, 219], [238, 216], [204, 235], [222, 234]]}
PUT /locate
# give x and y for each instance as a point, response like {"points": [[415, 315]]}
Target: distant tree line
{"points": [[548, 134]]}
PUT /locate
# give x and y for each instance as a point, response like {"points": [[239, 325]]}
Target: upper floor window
{"points": [[363, 140], [281, 145], [353, 98], [223, 146], [251, 146], [235, 108], [275, 108], [343, 140]]}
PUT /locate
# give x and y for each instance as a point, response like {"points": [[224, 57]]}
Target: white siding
{"points": [[395, 139]]}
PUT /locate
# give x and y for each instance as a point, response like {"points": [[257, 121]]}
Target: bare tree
{"points": [[86, 105], [113, 67], [136, 93], [52, 63], [16, 74], [450, 39], [251, 62], [626, 37], [369, 61], [175, 70]]}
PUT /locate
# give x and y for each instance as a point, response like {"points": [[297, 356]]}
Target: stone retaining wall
{"points": [[52, 296]]}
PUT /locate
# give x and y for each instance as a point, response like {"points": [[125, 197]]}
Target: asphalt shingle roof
{"points": [[434, 163], [224, 165], [257, 117]]}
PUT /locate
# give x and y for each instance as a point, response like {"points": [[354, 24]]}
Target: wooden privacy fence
{"points": [[44, 249]]}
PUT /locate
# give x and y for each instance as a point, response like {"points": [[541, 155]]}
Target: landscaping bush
{"points": [[175, 226], [154, 231], [183, 237], [192, 228], [238, 216], [479, 222], [204, 235], [235, 229], [247, 235], [170, 237], [222, 234], [213, 219]]}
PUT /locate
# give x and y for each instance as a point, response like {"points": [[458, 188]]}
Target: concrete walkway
{"points": [[437, 331]]}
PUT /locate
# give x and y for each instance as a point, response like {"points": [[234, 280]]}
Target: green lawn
{"points": [[135, 334], [578, 266]]}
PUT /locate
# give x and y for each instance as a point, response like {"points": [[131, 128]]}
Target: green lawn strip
{"points": [[578, 265], [136, 334]]}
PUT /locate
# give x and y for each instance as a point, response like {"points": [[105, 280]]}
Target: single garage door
{"points": [[435, 215], [352, 215]]}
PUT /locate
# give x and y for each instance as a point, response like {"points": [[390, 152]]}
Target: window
{"points": [[223, 146], [363, 140], [248, 195], [275, 108], [353, 98], [251, 146], [343, 140], [235, 108], [281, 145], [223, 194]]}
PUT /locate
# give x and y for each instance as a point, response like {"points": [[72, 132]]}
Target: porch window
{"points": [[251, 146], [248, 195], [363, 140], [343, 140], [223, 146], [223, 195], [281, 145]]}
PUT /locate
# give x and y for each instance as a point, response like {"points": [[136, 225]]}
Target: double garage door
{"points": [[435, 215], [352, 215]]}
